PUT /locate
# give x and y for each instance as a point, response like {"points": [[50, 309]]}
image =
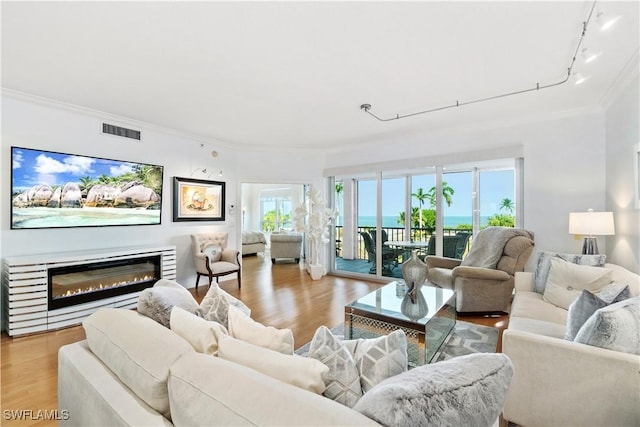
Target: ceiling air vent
{"points": [[120, 131]]}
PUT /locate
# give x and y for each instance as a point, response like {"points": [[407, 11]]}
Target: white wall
{"points": [[622, 133], [564, 168], [49, 127]]}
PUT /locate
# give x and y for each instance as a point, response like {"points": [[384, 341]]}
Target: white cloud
{"points": [[72, 164], [17, 160], [121, 169]]}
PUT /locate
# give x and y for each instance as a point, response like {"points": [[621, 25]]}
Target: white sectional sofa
{"points": [[565, 383], [133, 371]]}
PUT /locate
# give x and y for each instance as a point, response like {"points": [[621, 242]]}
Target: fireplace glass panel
{"points": [[77, 284]]}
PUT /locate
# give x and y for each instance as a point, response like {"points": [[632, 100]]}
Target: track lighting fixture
{"points": [[603, 21], [589, 55]]}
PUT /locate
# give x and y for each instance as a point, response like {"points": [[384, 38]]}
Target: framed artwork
{"points": [[198, 200]]}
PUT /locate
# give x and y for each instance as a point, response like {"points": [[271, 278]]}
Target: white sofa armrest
{"points": [[559, 382], [523, 281]]}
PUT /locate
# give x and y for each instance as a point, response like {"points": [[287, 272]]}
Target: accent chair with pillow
{"points": [[483, 281], [573, 337], [212, 258]]}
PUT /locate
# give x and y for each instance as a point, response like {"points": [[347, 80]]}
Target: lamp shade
{"points": [[591, 223]]}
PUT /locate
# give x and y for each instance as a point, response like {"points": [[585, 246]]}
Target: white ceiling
{"points": [[294, 74]]}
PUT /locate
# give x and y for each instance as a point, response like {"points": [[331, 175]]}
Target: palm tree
{"points": [[421, 196], [507, 204], [447, 193]]}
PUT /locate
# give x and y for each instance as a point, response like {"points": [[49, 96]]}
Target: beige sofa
{"points": [[285, 245], [132, 371], [565, 383]]}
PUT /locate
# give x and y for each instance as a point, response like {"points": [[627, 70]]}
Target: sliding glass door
{"points": [[435, 210]]}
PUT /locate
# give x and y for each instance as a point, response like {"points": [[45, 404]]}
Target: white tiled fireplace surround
{"points": [[25, 287]]}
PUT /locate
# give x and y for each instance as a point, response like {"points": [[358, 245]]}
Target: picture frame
{"points": [[198, 200]]}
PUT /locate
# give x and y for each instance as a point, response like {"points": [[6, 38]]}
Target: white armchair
{"points": [[212, 258], [286, 245]]}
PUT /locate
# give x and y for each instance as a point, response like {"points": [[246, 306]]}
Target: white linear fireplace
{"points": [[52, 291]]}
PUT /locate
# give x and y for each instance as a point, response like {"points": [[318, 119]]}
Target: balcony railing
{"points": [[396, 234]]}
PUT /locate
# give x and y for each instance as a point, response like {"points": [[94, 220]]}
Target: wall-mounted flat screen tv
{"points": [[57, 190]]}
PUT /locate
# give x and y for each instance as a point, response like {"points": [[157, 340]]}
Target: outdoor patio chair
{"points": [[389, 257]]}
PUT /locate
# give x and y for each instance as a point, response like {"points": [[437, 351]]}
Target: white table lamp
{"points": [[591, 224]]}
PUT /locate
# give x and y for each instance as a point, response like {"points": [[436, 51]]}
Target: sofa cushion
{"points": [[138, 350], [210, 391], [303, 372], [543, 264], [626, 277], [530, 305], [566, 281], [203, 335], [614, 327], [587, 304], [538, 327], [359, 363], [246, 329], [464, 391], [156, 302]]}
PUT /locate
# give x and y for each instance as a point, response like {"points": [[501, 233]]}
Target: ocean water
{"points": [[392, 221]]}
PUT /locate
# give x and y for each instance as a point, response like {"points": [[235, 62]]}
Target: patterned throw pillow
{"points": [[566, 281], [464, 391], [215, 306], [543, 264], [356, 366], [343, 379], [587, 304], [614, 327]]}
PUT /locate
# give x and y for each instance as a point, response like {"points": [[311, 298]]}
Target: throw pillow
{"points": [[614, 327], [380, 358], [464, 391], [246, 329], [296, 370], [213, 251], [567, 280], [356, 366], [216, 302], [203, 335], [158, 301], [343, 380], [215, 306], [587, 304], [543, 264]]}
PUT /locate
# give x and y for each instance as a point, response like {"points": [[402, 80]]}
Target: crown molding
{"points": [[629, 72], [120, 120]]}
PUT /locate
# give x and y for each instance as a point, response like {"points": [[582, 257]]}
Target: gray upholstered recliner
{"points": [[483, 281], [212, 258], [286, 245]]}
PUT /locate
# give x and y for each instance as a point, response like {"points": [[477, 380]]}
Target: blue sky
{"points": [[32, 167], [494, 186]]}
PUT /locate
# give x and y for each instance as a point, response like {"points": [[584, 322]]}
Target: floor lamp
{"points": [[590, 224]]}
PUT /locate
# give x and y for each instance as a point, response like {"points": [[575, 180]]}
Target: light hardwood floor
{"points": [[281, 295]]}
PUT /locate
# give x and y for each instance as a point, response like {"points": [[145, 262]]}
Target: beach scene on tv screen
{"points": [[52, 189]]}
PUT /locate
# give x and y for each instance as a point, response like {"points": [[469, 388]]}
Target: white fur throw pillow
{"points": [[464, 391], [158, 301], [203, 335]]}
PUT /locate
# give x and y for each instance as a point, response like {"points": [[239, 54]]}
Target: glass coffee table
{"points": [[380, 312]]}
